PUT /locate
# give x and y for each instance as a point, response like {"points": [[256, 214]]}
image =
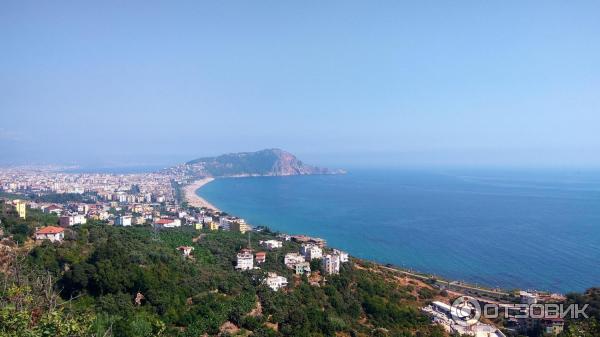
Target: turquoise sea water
{"points": [[513, 229]]}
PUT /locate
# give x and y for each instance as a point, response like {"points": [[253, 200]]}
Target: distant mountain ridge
{"points": [[268, 162]]}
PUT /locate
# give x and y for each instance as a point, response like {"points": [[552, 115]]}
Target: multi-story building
{"points": [[239, 226], [72, 220], [225, 223], [302, 268], [123, 220], [21, 208], [213, 226], [66, 221], [245, 260], [233, 223], [331, 264], [291, 259], [311, 251], [343, 255]]}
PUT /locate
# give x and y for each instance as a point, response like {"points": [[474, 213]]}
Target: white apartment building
{"points": [[245, 260], [225, 223], [122, 197], [291, 259], [311, 251], [343, 255], [331, 264], [124, 220], [72, 220]]}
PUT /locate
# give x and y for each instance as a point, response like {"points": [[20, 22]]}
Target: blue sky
{"points": [[337, 82]]}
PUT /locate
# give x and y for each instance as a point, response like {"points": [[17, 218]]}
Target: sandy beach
{"points": [[193, 199]]}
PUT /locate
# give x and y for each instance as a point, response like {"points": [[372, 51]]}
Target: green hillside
{"points": [[100, 270]]}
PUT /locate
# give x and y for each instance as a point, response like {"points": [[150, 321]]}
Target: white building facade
{"points": [[124, 220], [245, 260], [311, 251], [331, 264], [343, 255], [275, 282], [272, 244], [292, 259]]}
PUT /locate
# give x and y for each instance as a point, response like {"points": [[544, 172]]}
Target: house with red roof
{"points": [[53, 209], [52, 233], [186, 250], [260, 257], [163, 223]]}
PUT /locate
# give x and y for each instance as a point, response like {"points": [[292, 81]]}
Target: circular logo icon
{"points": [[466, 311]]}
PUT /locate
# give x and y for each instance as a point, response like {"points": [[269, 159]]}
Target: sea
{"points": [[512, 229]]}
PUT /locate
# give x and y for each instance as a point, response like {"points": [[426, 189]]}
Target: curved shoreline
{"points": [[193, 199], [461, 287], [405, 270]]}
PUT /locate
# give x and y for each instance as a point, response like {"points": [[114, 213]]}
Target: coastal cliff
{"points": [[268, 162]]}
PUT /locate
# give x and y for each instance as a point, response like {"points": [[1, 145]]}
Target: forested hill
{"points": [[269, 162], [101, 270]]}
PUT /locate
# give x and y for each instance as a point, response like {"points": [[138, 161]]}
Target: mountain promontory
{"points": [[268, 162]]}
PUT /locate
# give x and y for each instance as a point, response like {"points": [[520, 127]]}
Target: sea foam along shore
{"points": [[194, 199]]}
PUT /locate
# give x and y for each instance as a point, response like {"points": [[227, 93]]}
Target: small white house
{"points": [[52, 233], [275, 281], [185, 250], [260, 257], [271, 244], [52, 209]]}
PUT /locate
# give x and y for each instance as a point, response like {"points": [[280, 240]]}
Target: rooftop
{"points": [[50, 230]]}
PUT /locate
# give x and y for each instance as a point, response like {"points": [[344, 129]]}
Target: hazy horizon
{"points": [[511, 84]]}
